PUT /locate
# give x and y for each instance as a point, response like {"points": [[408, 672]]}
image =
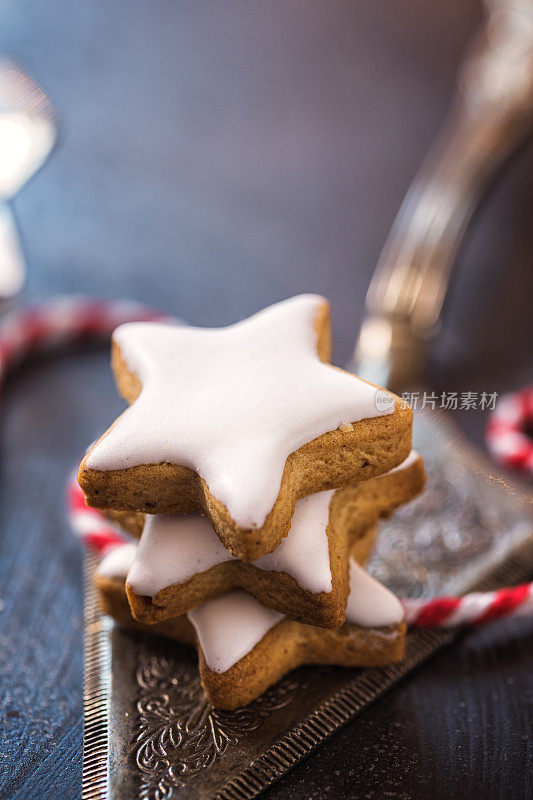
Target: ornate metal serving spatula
{"points": [[149, 732]]}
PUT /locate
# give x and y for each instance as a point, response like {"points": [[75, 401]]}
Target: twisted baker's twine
{"points": [[65, 321], [510, 431]]}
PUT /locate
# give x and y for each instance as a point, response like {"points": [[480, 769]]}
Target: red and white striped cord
{"points": [[470, 609], [440, 612], [65, 321], [94, 530], [509, 436]]}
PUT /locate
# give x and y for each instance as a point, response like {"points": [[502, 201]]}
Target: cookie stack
{"points": [[253, 474]]}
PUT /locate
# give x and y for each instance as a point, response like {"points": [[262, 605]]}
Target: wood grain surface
{"points": [[215, 157]]}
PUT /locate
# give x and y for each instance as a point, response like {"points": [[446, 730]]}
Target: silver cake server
{"points": [[149, 732]]}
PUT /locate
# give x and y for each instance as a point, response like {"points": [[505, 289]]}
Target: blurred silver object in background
{"points": [[491, 117], [28, 132], [469, 514]]}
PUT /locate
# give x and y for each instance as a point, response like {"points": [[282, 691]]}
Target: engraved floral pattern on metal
{"points": [[179, 732]]}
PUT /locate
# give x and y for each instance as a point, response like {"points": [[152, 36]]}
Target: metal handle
{"points": [[491, 117]]}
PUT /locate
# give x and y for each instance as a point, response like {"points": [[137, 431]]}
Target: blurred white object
{"points": [[28, 132], [12, 265]]}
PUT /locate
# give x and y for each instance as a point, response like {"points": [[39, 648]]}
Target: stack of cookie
{"points": [[253, 474]]}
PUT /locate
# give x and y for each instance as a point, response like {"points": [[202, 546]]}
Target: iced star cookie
{"points": [[243, 647], [110, 580], [239, 423], [181, 563]]}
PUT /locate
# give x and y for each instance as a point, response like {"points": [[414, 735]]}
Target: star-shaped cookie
{"points": [[243, 647], [180, 563], [240, 422]]}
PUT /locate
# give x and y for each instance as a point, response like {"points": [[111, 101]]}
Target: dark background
{"points": [[216, 157]]}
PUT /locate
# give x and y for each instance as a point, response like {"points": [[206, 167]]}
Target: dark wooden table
{"points": [[216, 157]]}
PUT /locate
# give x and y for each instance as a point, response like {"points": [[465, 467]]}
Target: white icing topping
{"points": [[233, 403], [407, 462], [304, 552], [117, 562], [230, 627], [370, 604], [173, 548]]}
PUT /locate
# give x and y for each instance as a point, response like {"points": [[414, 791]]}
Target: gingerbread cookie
{"points": [[113, 569], [243, 647], [180, 562], [239, 423]]}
